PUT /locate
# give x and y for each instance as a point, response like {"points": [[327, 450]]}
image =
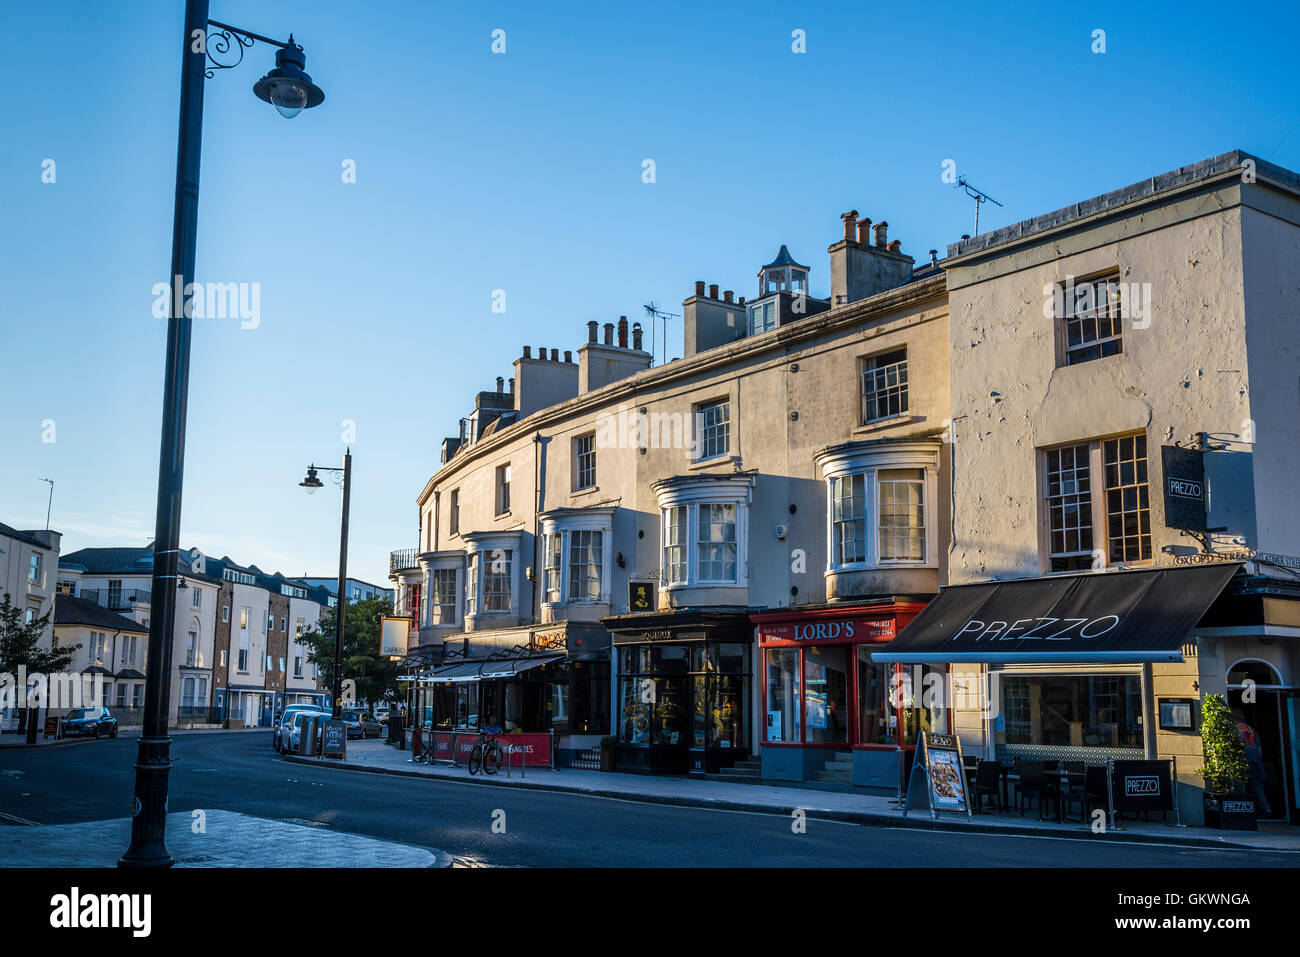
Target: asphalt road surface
{"points": [[238, 771]]}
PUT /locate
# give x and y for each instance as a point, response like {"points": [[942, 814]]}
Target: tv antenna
{"points": [[50, 504], [655, 313], [979, 196]]}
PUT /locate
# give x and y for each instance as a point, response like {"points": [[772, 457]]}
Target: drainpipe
{"points": [[1148, 713], [537, 509]]}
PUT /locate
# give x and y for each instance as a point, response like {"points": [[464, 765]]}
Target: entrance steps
{"points": [[749, 771], [838, 770]]}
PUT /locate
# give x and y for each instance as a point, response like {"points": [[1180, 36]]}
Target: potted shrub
{"points": [[1227, 805], [607, 753]]}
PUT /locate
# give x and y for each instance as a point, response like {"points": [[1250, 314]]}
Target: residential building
{"points": [[357, 589], [112, 653]]}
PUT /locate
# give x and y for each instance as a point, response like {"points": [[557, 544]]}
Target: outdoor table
{"points": [[1055, 780]]}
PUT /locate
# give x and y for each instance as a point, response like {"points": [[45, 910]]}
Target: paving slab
{"points": [[227, 839], [864, 807]]}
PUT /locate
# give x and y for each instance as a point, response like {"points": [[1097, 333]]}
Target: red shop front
{"points": [[827, 707]]}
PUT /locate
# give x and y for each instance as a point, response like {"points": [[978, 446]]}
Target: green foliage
{"points": [[1225, 756], [375, 676], [20, 643]]}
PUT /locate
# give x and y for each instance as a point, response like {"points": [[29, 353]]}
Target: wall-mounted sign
{"points": [[1177, 714], [395, 637], [840, 629], [547, 640], [1184, 485], [641, 596]]}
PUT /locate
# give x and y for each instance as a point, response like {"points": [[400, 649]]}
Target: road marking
{"points": [[15, 819]]}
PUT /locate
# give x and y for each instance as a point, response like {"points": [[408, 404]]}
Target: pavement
{"points": [[860, 808], [211, 838]]}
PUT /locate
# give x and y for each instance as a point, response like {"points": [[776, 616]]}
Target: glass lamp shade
{"points": [[289, 97]]}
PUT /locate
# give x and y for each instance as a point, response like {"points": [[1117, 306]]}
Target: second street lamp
{"points": [[200, 52], [311, 483]]}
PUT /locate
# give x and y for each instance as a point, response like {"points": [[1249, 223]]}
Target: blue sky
{"points": [[518, 171]]}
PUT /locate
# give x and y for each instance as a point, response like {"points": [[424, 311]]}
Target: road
{"points": [[238, 771]]}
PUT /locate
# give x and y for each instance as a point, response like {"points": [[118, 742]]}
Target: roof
{"points": [[783, 258], [1233, 162], [21, 536], [69, 610]]}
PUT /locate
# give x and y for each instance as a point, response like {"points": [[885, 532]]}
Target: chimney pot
{"points": [[501, 384], [593, 332], [740, 301], [636, 336], [528, 352], [568, 355], [864, 231], [726, 295], [541, 353], [882, 233], [609, 333], [934, 257], [555, 355], [622, 332], [699, 287], [850, 220], [965, 235], [713, 290], [511, 381]]}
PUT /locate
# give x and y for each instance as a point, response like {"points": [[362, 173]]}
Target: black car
{"points": [[85, 722]]}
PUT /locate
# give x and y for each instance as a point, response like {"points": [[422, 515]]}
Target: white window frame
{"points": [[871, 375], [558, 530], [481, 548], [502, 489], [869, 460], [584, 462], [1106, 305], [197, 600], [704, 432], [691, 493]]}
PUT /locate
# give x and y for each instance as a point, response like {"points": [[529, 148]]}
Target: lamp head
{"points": [[288, 88], [312, 482]]}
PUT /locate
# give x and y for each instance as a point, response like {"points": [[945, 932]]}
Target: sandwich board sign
{"points": [[937, 767]]}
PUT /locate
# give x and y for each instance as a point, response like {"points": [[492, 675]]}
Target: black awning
{"points": [[510, 667], [1114, 617]]}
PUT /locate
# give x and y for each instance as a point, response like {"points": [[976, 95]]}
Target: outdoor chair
{"points": [[1094, 791], [1033, 783], [986, 782]]}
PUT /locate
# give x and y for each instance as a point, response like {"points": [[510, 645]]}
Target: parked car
{"points": [[382, 712], [361, 724], [279, 721], [291, 730], [82, 722]]}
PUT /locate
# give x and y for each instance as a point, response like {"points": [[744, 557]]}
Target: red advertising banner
{"points": [[536, 749]]}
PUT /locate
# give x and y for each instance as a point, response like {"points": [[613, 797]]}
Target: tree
{"points": [[20, 648], [375, 676], [1225, 756]]}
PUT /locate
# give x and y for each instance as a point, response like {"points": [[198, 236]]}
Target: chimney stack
{"points": [[699, 287], [850, 222], [555, 355], [864, 231], [541, 353], [609, 333], [740, 301], [713, 290], [528, 352], [726, 295], [882, 234], [593, 332], [894, 246], [622, 332], [636, 336], [568, 355]]}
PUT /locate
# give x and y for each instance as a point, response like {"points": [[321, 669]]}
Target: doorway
{"points": [[1255, 689]]}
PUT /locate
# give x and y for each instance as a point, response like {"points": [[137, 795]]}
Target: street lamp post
{"points": [[311, 483], [289, 90]]}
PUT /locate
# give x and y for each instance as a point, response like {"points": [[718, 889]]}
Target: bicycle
{"points": [[488, 755]]}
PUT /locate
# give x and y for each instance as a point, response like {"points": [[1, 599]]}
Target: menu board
{"points": [[938, 768]]}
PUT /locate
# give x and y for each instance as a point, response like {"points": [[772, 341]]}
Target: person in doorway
{"points": [[1254, 761]]}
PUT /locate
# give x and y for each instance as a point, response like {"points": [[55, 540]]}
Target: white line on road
{"points": [[15, 819]]}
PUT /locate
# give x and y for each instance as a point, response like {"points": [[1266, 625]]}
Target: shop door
{"points": [[1265, 715], [250, 710]]}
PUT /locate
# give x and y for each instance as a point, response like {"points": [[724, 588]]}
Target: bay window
{"points": [[575, 560], [705, 523], [492, 578]]}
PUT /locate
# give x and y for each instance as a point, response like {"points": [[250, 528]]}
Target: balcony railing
{"points": [[116, 600], [402, 560]]}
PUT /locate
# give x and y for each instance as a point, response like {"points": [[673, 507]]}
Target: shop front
{"points": [[1079, 667], [824, 699], [684, 690], [550, 679]]}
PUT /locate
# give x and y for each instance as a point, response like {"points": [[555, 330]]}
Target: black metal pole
{"points": [[153, 757], [343, 592]]}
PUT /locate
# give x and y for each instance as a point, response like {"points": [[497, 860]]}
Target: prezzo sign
{"points": [[860, 629], [1048, 629], [1142, 784]]}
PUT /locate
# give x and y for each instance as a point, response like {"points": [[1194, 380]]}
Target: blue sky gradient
{"points": [[522, 172]]}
